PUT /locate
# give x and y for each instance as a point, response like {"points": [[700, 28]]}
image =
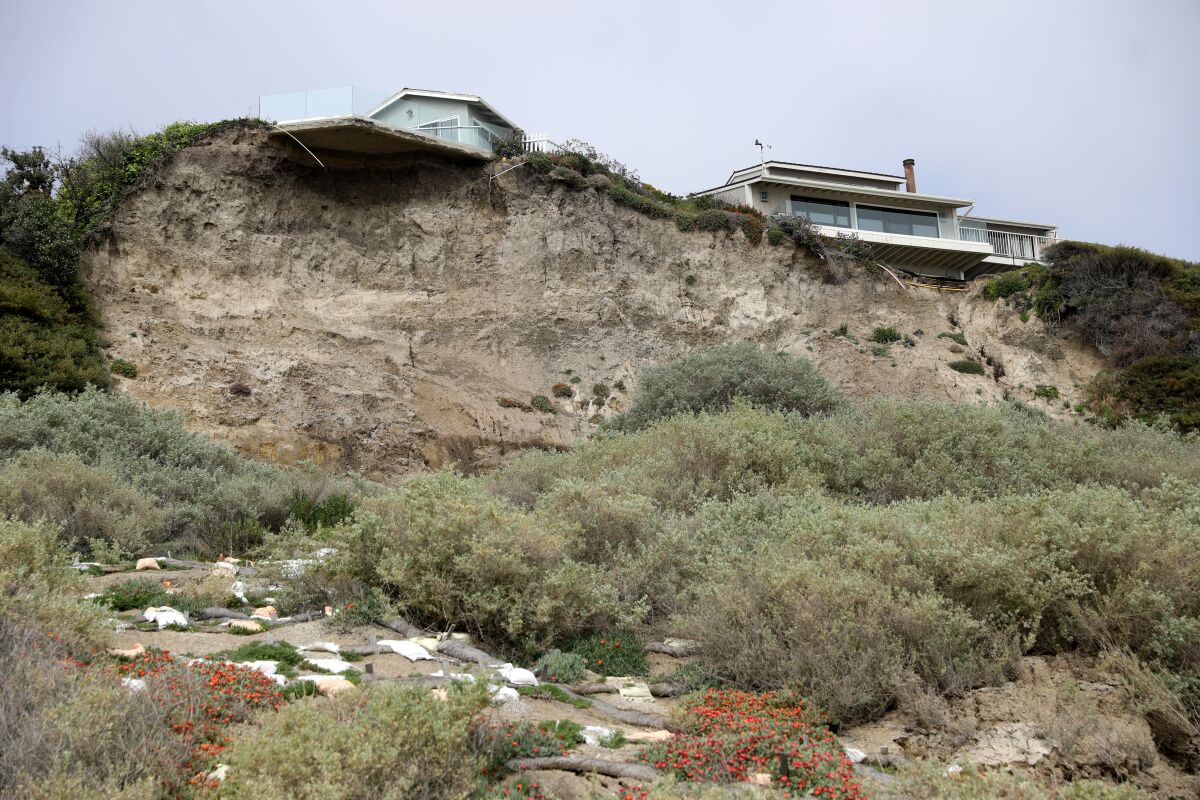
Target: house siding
{"points": [[425, 109]]}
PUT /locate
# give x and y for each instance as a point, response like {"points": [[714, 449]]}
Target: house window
{"points": [[891, 220], [822, 212], [441, 128]]}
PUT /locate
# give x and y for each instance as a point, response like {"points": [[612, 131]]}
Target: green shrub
{"points": [[600, 392], [78, 732], [967, 366], [286, 654], [613, 652], [135, 593], [563, 390], [39, 590], [449, 553], [123, 368], [1005, 285], [132, 457], [47, 333], [780, 620], [774, 236], [841, 330], [512, 147], [94, 507], [540, 402], [710, 380], [380, 741], [954, 337], [559, 667], [319, 507], [547, 691], [886, 335], [1046, 391], [880, 351], [1157, 386]]}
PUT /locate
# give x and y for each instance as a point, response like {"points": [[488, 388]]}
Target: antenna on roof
{"points": [[762, 159]]}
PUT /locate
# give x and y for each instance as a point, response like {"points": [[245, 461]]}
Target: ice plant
{"points": [[731, 736]]}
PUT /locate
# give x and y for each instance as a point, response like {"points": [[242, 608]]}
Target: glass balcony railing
{"points": [[343, 101]]}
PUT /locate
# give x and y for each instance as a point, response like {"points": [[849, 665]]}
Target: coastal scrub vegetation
{"points": [[1138, 308], [850, 551]]}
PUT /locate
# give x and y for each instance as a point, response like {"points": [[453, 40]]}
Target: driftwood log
{"points": [[588, 766], [307, 616], [220, 613], [663, 689], [671, 649], [641, 719], [466, 653], [402, 627]]}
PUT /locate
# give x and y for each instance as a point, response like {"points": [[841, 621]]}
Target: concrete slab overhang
{"points": [[361, 136], [919, 253]]}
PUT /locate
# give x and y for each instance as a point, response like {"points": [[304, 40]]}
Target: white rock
{"points": [[239, 591], [328, 647], [592, 734], [265, 667], [219, 773], [855, 755], [146, 563], [454, 676], [163, 616], [517, 676], [136, 684], [225, 565], [335, 665], [502, 695], [410, 650]]}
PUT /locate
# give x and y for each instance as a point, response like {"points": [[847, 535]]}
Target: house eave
{"points": [[466, 98], [904, 198]]}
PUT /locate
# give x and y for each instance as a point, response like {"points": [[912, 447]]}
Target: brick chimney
{"points": [[910, 175]]}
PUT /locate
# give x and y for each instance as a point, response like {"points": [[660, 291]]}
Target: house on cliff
{"points": [[351, 119], [926, 234]]}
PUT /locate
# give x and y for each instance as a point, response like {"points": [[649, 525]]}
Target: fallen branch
{"points": [[466, 653], [220, 613], [596, 688], [401, 626], [639, 718], [307, 616], [588, 766], [671, 649], [663, 689]]}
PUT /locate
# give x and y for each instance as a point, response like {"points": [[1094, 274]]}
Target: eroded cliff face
{"points": [[380, 314]]}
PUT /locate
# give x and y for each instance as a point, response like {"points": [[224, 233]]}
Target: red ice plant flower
{"points": [[732, 735]]}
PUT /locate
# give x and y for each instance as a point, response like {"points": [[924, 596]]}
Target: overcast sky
{"points": [[1081, 114]]}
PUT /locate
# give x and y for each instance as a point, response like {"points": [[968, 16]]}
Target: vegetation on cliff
{"points": [[1140, 309], [50, 208]]}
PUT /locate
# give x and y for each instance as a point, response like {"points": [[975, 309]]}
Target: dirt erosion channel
{"points": [[395, 316]]}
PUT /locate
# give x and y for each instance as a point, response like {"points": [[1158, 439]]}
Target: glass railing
{"points": [[343, 101], [473, 135]]}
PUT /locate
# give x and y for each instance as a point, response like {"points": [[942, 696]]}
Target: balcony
{"points": [[343, 101], [1017, 246]]}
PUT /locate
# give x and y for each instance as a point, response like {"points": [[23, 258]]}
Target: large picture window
{"points": [[442, 128], [822, 212], [891, 220]]}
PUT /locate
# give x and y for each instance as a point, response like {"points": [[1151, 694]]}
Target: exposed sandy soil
{"points": [[378, 313]]}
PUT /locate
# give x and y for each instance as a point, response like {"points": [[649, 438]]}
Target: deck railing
{"points": [[474, 135], [540, 143], [1021, 246]]}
